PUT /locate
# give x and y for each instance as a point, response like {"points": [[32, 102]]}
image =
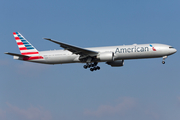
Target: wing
{"points": [[75, 50]]}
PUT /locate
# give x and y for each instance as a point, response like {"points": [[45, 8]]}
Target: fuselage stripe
{"points": [[29, 53], [32, 58]]}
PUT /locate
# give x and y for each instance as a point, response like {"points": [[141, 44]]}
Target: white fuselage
{"points": [[120, 53]]}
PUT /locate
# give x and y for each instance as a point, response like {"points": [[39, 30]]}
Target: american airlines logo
{"points": [[152, 47], [133, 49]]}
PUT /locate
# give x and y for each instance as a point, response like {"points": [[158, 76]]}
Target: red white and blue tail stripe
{"points": [[26, 48]]}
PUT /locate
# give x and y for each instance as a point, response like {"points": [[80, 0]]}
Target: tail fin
{"points": [[24, 46]]}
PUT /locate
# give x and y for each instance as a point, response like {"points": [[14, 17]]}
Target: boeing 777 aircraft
{"points": [[112, 55]]}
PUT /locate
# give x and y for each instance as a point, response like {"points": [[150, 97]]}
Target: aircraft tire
{"points": [[85, 66], [95, 68], [98, 67]]}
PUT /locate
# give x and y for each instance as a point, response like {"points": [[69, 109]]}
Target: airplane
{"points": [[111, 55]]}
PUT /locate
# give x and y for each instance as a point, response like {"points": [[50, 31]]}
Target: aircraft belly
{"points": [[60, 59]]}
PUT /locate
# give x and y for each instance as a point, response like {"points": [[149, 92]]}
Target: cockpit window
{"points": [[171, 47]]}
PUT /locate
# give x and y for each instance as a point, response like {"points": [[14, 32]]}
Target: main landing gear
{"points": [[93, 67], [163, 62]]}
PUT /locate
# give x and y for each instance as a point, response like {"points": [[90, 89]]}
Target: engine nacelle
{"points": [[117, 63], [106, 56]]}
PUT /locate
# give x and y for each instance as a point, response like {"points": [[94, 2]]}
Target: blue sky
{"points": [[141, 89]]}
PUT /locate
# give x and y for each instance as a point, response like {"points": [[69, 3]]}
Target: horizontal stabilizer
{"points": [[14, 54]]}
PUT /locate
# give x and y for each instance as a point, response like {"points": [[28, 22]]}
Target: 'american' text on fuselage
{"points": [[134, 49]]}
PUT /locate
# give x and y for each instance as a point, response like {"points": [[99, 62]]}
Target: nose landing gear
{"points": [[93, 67], [163, 62]]}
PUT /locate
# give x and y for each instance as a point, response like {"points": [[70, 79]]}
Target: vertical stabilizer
{"points": [[26, 48]]}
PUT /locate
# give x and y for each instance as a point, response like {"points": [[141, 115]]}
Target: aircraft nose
{"points": [[175, 50], [172, 50]]}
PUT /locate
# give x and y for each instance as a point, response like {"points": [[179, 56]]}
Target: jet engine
{"points": [[117, 63], [106, 56]]}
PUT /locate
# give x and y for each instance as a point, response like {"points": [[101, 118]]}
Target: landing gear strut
{"points": [[93, 67], [163, 62]]}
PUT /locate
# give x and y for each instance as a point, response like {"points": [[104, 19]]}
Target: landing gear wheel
{"points": [[88, 66], [98, 67], [92, 69], [95, 68], [163, 62], [92, 66], [85, 66]]}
